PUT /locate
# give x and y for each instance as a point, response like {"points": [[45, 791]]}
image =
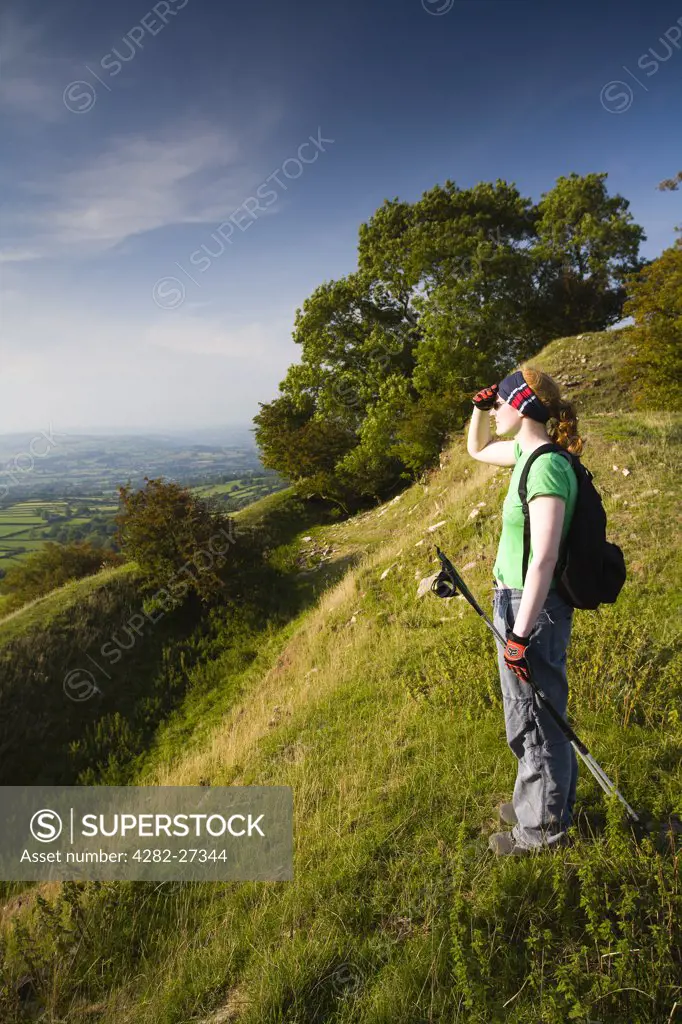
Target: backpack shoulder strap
{"points": [[549, 447]]}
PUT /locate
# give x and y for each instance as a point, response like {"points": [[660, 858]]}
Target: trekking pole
{"points": [[449, 588]]}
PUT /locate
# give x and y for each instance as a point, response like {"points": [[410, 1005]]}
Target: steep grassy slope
{"points": [[86, 679], [383, 713]]}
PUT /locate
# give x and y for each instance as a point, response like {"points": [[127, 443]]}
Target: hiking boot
{"points": [[507, 814], [503, 843]]}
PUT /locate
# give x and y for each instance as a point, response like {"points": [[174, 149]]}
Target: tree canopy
{"points": [[450, 292]]}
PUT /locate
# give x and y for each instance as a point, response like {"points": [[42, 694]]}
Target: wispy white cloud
{"points": [[138, 183], [192, 171]]}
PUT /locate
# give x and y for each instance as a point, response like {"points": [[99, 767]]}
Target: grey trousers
{"points": [[544, 792]]}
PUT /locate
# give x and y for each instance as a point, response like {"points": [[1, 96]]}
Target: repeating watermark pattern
{"points": [[438, 7], [347, 980], [80, 96], [79, 683], [169, 291], [617, 96], [9, 475]]}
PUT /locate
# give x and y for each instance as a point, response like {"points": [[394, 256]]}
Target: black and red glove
{"points": [[515, 655], [485, 399]]}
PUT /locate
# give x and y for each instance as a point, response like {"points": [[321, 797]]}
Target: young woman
{"points": [[536, 621]]}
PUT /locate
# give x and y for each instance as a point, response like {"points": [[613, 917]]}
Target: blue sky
{"points": [[134, 131]]}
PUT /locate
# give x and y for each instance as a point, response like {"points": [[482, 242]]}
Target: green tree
{"points": [[302, 447], [443, 237], [457, 260], [353, 333], [450, 291], [654, 372], [401, 434], [180, 545], [372, 466], [587, 245]]}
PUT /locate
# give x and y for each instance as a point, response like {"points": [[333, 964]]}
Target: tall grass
{"points": [[384, 714]]}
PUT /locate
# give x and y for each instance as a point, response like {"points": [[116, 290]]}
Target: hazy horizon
{"points": [[132, 431]]}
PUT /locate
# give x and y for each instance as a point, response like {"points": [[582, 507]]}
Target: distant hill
{"points": [[53, 465]]}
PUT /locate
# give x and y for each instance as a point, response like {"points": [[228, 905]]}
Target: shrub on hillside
{"points": [[181, 544], [654, 371], [52, 566]]}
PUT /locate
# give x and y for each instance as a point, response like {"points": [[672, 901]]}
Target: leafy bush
{"points": [[51, 567], [655, 370], [179, 543]]}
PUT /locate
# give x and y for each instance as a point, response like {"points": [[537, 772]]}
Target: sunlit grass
{"points": [[383, 713]]}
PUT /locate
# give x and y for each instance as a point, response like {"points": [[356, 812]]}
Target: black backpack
{"points": [[590, 571]]}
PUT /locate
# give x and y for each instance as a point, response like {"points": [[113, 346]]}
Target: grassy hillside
{"points": [[383, 712], [89, 685]]}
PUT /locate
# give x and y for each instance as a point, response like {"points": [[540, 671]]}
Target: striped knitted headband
{"points": [[515, 392]]}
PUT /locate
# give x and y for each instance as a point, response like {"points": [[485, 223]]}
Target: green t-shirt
{"points": [[551, 473]]}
